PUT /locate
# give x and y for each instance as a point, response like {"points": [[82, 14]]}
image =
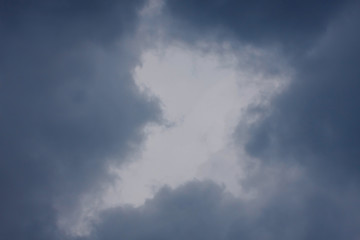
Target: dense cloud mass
{"points": [[202, 210], [291, 24], [307, 142], [69, 107], [316, 120]]}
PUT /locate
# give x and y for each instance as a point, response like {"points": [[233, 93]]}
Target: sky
{"points": [[179, 119]]}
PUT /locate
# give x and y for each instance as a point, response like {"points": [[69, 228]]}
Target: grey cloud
{"points": [[193, 211], [68, 106], [203, 210], [315, 121], [312, 125], [292, 25]]}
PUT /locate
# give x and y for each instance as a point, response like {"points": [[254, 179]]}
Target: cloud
{"points": [[315, 121], [192, 211], [201, 210], [306, 142], [68, 106], [292, 25]]}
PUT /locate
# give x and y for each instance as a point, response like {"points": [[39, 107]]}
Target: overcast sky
{"points": [[179, 119]]}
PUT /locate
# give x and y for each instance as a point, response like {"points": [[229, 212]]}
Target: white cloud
{"points": [[203, 99]]}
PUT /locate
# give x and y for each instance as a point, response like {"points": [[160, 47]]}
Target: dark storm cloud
{"points": [[290, 24], [193, 211], [202, 210], [316, 121], [68, 106], [312, 127]]}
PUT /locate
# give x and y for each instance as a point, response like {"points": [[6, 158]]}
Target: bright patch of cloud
{"points": [[203, 100]]}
